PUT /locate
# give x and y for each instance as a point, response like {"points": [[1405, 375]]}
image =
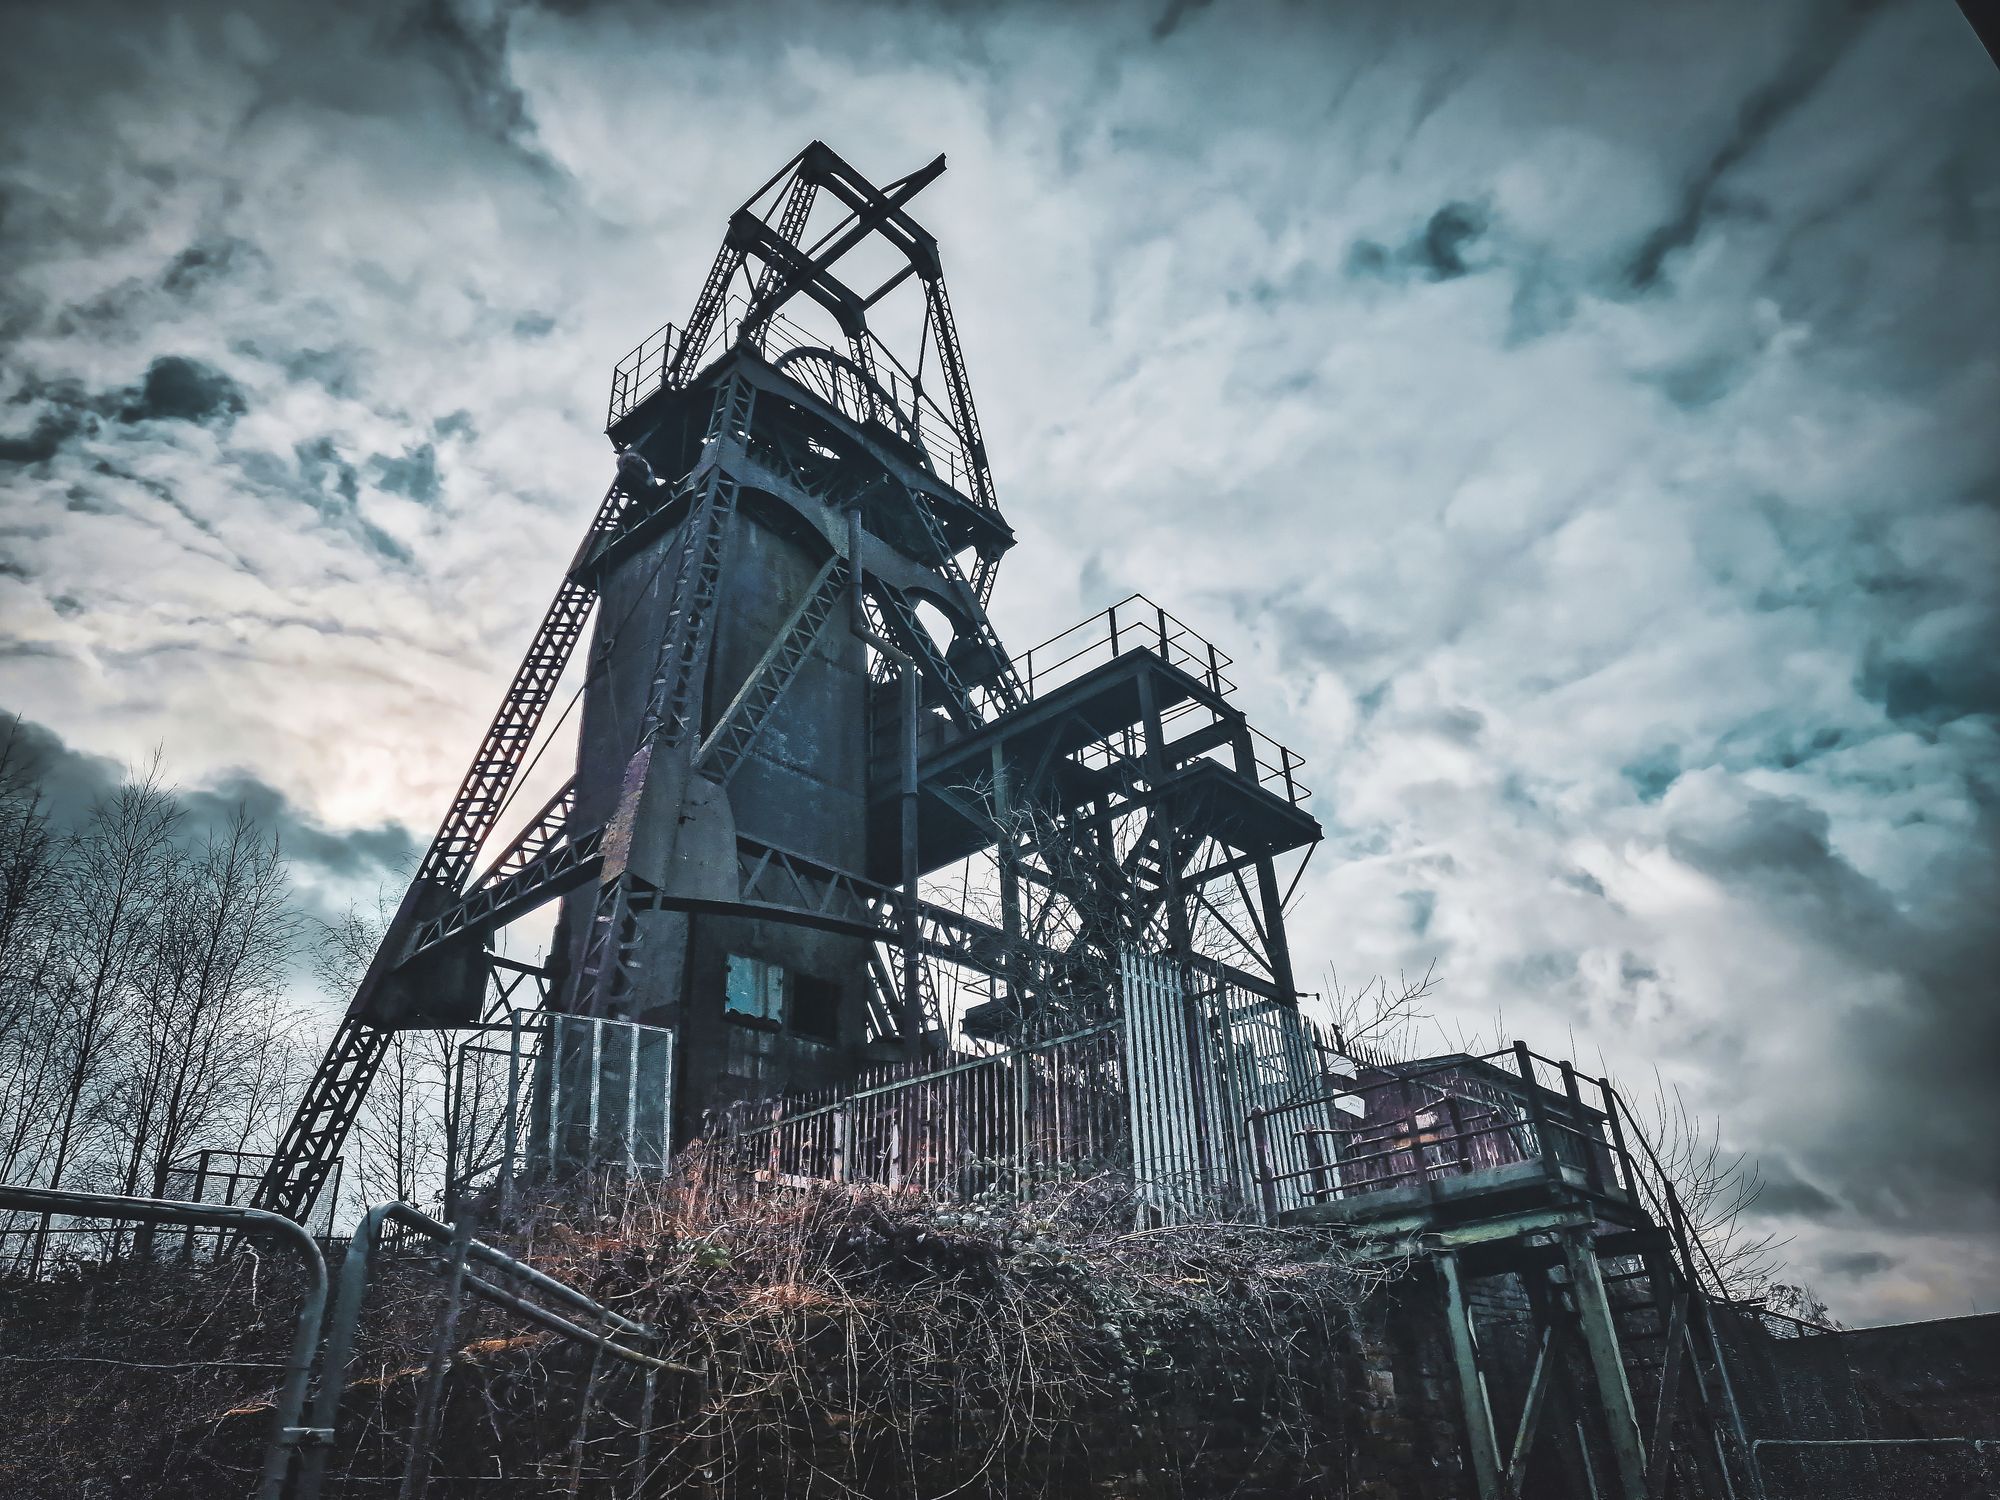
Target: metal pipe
{"points": [[354, 1276], [423, 1429], [1977, 1443], [557, 1323], [291, 1398]]}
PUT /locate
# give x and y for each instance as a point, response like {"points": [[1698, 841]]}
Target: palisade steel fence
{"points": [[1163, 1089], [976, 1124]]}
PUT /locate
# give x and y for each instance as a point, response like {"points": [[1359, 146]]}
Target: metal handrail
{"points": [[288, 1434], [1548, 1123], [1676, 1216], [358, 1266], [1145, 625]]}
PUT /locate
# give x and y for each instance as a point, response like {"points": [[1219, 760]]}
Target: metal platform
{"points": [[1083, 740]]}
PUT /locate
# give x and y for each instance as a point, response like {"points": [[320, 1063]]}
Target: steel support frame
{"points": [[1572, 1320], [1599, 1336]]}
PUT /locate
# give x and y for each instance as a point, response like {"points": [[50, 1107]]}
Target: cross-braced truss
{"points": [[1118, 802]]}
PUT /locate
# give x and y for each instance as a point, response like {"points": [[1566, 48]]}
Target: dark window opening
{"points": [[815, 1008]]}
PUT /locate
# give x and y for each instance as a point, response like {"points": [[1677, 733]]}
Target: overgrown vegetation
{"points": [[838, 1341]]}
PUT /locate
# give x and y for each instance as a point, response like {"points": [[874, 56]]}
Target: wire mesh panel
{"points": [[492, 1099], [603, 1096]]}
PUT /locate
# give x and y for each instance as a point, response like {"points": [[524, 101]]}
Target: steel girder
{"points": [[304, 1157]]}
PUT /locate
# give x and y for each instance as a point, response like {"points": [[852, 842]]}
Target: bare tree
{"points": [[1714, 1188], [142, 984], [29, 855], [196, 1038], [1379, 1020], [113, 887]]}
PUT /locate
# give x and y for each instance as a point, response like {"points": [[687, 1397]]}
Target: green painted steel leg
{"points": [[1600, 1341], [1480, 1441], [1531, 1412], [1662, 1448]]}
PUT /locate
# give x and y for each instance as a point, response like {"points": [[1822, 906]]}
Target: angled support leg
{"points": [[1532, 1407], [1600, 1342], [1482, 1446], [1660, 1452]]}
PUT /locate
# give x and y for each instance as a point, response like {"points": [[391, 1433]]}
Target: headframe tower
{"points": [[795, 711]]}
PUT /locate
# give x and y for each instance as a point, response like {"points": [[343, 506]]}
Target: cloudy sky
{"points": [[1579, 420]]}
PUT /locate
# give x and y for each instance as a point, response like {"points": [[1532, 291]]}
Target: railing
{"points": [[466, 1265], [1134, 623], [1137, 623], [1662, 1200], [1453, 1118], [1780, 1325], [1000, 1122], [913, 414], [642, 372], [288, 1434], [1278, 768], [219, 1178]]}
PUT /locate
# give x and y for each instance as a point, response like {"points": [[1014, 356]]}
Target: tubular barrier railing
{"points": [[355, 1273], [288, 1435]]}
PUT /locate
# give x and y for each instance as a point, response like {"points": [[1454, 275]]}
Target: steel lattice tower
{"points": [[795, 710]]}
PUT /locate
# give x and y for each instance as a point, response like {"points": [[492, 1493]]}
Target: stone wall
{"points": [[1406, 1421]]}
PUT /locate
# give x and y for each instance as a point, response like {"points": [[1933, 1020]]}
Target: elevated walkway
{"points": [[1079, 744], [1512, 1174]]}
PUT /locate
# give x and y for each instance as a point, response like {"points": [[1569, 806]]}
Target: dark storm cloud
{"points": [[1653, 773], [380, 852], [177, 389], [1783, 1195], [208, 263], [413, 473], [58, 410], [41, 442], [173, 389], [1857, 1263], [73, 782], [471, 55], [1827, 34], [1441, 250], [1934, 1063]]}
